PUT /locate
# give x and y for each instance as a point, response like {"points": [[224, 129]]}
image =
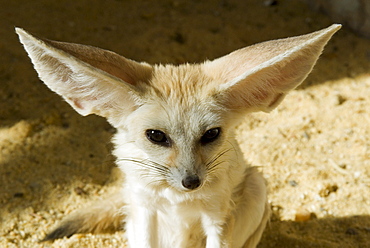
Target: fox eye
{"points": [[210, 135], [157, 137]]}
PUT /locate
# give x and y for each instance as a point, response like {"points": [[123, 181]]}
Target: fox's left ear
{"points": [[90, 79], [258, 77]]}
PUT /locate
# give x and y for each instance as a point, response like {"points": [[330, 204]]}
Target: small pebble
{"points": [[351, 231], [80, 191], [18, 195], [270, 2], [293, 183], [304, 215]]}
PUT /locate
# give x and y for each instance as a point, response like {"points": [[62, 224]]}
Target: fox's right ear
{"points": [[258, 77], [91, 80]]}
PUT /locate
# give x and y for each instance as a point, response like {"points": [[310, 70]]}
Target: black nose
{"points": [[191, 182]]}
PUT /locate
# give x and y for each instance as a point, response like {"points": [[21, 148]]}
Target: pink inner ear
{"points": [[77, 103], [259, 95], [276, 100]]}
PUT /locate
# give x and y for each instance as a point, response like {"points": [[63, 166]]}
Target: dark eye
{"points": [[157, 137], [210, 135]]}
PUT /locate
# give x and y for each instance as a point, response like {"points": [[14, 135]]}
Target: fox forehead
{"points": [[185, 84], [180, 98]]}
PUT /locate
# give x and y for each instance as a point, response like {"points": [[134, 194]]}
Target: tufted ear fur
{"points": [[91, 80], [258, 77]]}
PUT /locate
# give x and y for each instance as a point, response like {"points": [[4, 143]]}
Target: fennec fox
{"points": [[186, 183]]}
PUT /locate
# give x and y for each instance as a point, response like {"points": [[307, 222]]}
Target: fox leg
{"points": [[213, 232], [252, 210], [101, 217], [141, 228], [254, 239], [218, 226]]}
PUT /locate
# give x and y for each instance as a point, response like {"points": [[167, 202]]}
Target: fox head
{"points": [[175, 123]]}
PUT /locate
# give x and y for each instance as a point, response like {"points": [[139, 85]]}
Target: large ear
{"points": [[258, 77], [91, 80]]}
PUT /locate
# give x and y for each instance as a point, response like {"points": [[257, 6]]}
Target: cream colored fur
{"points": [[191, 188]]}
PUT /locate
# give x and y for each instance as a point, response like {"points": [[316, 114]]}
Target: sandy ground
{"points": [[314, 149]]}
